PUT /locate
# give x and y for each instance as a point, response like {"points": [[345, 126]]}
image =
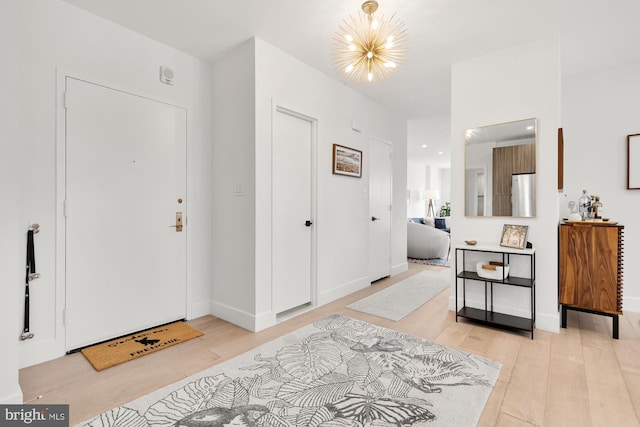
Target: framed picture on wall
{"points": [[514, 236], [633, 162], [347, 161]]}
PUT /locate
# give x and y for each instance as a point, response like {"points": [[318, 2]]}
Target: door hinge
{"points": [[64, 317], [65, 99], [65, 208], [390, 208]]}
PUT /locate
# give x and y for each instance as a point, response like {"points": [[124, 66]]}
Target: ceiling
{"points": [[441, 33], [511, 132]]}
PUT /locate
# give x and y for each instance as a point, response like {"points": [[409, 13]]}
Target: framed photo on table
{"points": [[347, 161], [514, 236]]}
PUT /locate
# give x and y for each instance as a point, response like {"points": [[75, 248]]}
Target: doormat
{"points": [[129, 347]]}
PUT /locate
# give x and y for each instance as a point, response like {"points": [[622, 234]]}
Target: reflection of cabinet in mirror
{"points": [[510, 161], [500, 168]]}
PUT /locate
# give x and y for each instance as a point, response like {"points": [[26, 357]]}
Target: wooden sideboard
{"points": [[590, 269]]}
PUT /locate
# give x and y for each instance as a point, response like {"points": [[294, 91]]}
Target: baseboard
{"points": [[548, 322], [199, 309], [265, 320], [343, 290], [255, 323], [14, 397], [400, 268], [34, 352], [233, 315], [631, 304]]}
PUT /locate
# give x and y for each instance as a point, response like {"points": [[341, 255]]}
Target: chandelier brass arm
{"points": [[368, 48]]}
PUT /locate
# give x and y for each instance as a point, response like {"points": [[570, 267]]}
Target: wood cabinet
{"points": [[590, 269], [507, 161]]}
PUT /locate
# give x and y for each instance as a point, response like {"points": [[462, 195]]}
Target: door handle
{"points": [[373, 218], [308, 223], [178, 225]]}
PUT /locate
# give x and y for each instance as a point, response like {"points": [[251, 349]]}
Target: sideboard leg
{"points": [[615, 326], [564, 316]]}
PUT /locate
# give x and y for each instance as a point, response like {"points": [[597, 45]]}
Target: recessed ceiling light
{"points": [[424, 145], [529, 127], [440, 152]]}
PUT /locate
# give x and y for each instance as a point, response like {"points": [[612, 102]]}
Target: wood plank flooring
{"points": [[579, 377]]}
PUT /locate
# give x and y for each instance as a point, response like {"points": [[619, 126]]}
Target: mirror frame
{"points": [[501, 135]]}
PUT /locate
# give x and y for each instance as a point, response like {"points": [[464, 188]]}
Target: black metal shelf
{"points": [[496, 319], [487, 315], [524, 282]]}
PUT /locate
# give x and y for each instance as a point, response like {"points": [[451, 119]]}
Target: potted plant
{"points": [[445, 210]]}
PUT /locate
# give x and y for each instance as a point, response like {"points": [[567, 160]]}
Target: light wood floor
{"points": [[579, 377]]}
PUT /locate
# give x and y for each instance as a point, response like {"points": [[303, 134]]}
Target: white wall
{"points": [[426, 168], [12, 228], [504, 86], [599, 109], [341, 219], [342, 216], [416, 183], [55, 35], [234, 216]]}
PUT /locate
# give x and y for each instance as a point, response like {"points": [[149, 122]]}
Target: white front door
{"points": [[379, 209], [292, 220], [125, 184]]}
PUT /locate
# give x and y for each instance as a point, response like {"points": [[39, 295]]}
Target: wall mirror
{"points": [[500, 169]]}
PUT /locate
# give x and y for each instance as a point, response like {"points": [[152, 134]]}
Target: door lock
{"points": [[178, 225]]}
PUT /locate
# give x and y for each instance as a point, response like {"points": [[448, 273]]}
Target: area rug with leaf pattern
{"points": [[337, 372]]}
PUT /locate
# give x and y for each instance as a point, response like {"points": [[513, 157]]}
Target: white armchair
{"points": [[426, 242]]}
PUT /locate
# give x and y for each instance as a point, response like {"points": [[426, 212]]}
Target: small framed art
{"points": [[514, 236], [347, 161]]}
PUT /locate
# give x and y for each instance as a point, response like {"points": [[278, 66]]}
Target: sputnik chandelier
{"points": [[367, 48]]}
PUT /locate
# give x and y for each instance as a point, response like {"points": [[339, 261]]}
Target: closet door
{"points": [[292, 219], [379, 209]]}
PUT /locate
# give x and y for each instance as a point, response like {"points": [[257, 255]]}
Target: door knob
{"points": [[373, 218], [308, 223], [178, 225]]}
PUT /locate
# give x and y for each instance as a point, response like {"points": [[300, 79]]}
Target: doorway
{"points": [[125, 213]]}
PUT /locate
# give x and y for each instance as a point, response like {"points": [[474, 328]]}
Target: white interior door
{"points": [[379, 209], [125, 182], [292, 232]]}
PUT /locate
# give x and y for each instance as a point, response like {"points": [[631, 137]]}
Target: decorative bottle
{"points": [[596, 207], [584, 204]]}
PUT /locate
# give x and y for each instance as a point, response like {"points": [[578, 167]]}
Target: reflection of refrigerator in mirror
{"points": [[523, 194]]}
